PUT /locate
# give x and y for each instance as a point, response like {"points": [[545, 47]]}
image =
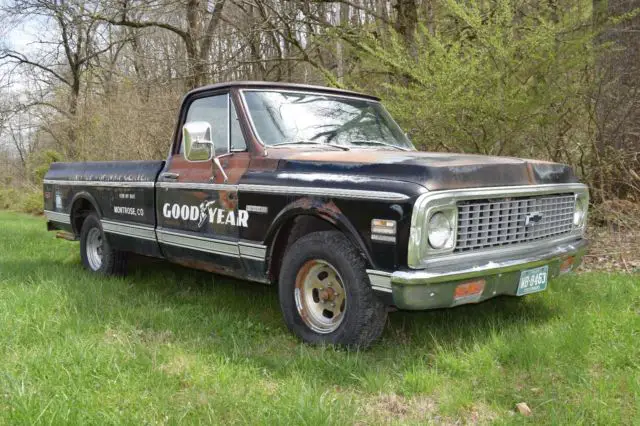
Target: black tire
{"points": [[364, 315], [114, 262]]}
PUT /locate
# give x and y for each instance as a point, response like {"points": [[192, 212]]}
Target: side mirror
{"points": [[196, 137]]}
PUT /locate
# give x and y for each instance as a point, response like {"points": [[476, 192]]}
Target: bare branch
{"points": [[21, 59]]}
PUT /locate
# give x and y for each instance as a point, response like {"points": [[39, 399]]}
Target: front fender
{"points": [[325, 210]]}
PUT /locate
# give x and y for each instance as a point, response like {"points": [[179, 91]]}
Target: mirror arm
{"points": [[216, 161]]}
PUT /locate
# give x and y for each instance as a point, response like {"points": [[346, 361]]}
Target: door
{"points": [[198, 217]]}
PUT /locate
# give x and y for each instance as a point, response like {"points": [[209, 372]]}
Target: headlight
{"points": [[440, 231], [580, 212]]}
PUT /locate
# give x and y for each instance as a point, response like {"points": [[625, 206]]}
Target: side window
{"points": [[237, 140], [213, 110]]}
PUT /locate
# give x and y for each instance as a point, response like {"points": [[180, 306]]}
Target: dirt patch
{"points": [[393, 409], [613, 250], [178, 365], [390, 408], [127, 337]]}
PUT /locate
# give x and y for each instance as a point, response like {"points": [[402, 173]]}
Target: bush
{"points": [[9, 199], [32, 202], [41, 163], [23, 200]]}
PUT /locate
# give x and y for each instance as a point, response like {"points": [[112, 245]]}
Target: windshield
{"points": [[291, 118]]}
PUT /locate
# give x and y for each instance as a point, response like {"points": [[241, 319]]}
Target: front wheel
{"points": [[96, 252], [325, 294]]}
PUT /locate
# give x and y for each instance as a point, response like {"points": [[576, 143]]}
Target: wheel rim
{"points": [[94, 248], [320, 296]]}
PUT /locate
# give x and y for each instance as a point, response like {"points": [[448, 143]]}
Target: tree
{"points": [[197, 35]]}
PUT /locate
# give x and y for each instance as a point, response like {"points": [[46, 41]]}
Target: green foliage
{"points": [[505, 78], [41, 162], [27, 200], [9, 198], [32, 202]]}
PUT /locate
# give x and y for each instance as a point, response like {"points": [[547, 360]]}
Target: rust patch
{"points": [[392, 157], [300, 276], [204, 266], [530, 175], [326, 209], [228, 200]]}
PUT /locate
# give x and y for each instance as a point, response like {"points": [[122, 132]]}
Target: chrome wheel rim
{"points": [[320, 296], [94, 248]]}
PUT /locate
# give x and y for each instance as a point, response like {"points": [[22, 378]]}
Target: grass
{"points": [[167, 345]]}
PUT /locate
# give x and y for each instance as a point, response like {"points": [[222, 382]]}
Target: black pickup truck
{"points": [[319, 190]]}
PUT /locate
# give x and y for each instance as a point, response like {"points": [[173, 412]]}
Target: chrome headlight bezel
{"points": [[580, 210], [419, 244]]}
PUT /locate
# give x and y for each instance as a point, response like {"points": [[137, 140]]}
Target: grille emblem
{"points": [[532, 219]]}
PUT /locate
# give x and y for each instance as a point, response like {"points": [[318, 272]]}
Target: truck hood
{"points": [[435, 171]]}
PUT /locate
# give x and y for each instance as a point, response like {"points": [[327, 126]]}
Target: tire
{"points": [[316, 270], [102, 259]]}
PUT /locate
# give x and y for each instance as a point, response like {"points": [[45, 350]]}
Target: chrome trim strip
{"points": [[498, 252], [250, 244], [209, 245], [327, 192], [129, 230], [451, 197], [252, 251], [124, 184], [270, 189], [201, 186], [362, 97], [458, 271], [380, 280], [57, 216]]}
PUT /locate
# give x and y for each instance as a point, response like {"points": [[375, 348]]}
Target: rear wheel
{"points": [[96, 252], [325, 294]]}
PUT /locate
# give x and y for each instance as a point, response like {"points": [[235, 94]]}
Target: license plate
{"points": [[533, 280]]}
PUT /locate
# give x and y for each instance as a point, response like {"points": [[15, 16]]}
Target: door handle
{"points": [[170, 176]]}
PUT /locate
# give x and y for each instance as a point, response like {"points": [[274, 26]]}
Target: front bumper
{"points": [[436, 287]]}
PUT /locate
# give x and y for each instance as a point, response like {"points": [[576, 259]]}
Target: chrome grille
{"points": [[498, 222]]}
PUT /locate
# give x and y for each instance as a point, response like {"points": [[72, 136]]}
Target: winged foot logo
{"points": [[206, 211]]}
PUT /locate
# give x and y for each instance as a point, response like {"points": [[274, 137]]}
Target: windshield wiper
{"points": [[366, 142], [342, 147]]}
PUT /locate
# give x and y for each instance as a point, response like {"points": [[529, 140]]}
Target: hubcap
{"points": [[320, 296], [94, 248]]}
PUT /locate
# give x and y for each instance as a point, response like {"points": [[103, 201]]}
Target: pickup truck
{"points": [[318, 191]]}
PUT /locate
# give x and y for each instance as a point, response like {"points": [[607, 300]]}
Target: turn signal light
{"points": [[567, 265], [383, 226], [470, 290]]}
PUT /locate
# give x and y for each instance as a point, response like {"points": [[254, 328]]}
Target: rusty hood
{"points": [[435, 171]]}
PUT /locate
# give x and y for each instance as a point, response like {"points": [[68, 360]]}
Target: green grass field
{"points": [[167, 344]]}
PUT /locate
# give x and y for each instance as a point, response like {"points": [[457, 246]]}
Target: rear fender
{"points": [[78, 198]]}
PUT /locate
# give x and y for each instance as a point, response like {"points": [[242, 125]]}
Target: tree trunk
{"points": [[407, 23]]}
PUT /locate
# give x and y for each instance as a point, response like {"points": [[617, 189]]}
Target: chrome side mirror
{"points": [[196, 137]]}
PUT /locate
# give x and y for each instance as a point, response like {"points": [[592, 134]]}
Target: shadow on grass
{"points": [[168, 280], [250, 328]]}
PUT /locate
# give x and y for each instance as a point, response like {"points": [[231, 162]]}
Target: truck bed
{"points": [[122, 192]]}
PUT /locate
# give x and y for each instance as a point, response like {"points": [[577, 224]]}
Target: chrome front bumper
{"points": [[435, 287]]}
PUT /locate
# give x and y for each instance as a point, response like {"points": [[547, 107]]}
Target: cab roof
{"points": [[279, 85]]}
